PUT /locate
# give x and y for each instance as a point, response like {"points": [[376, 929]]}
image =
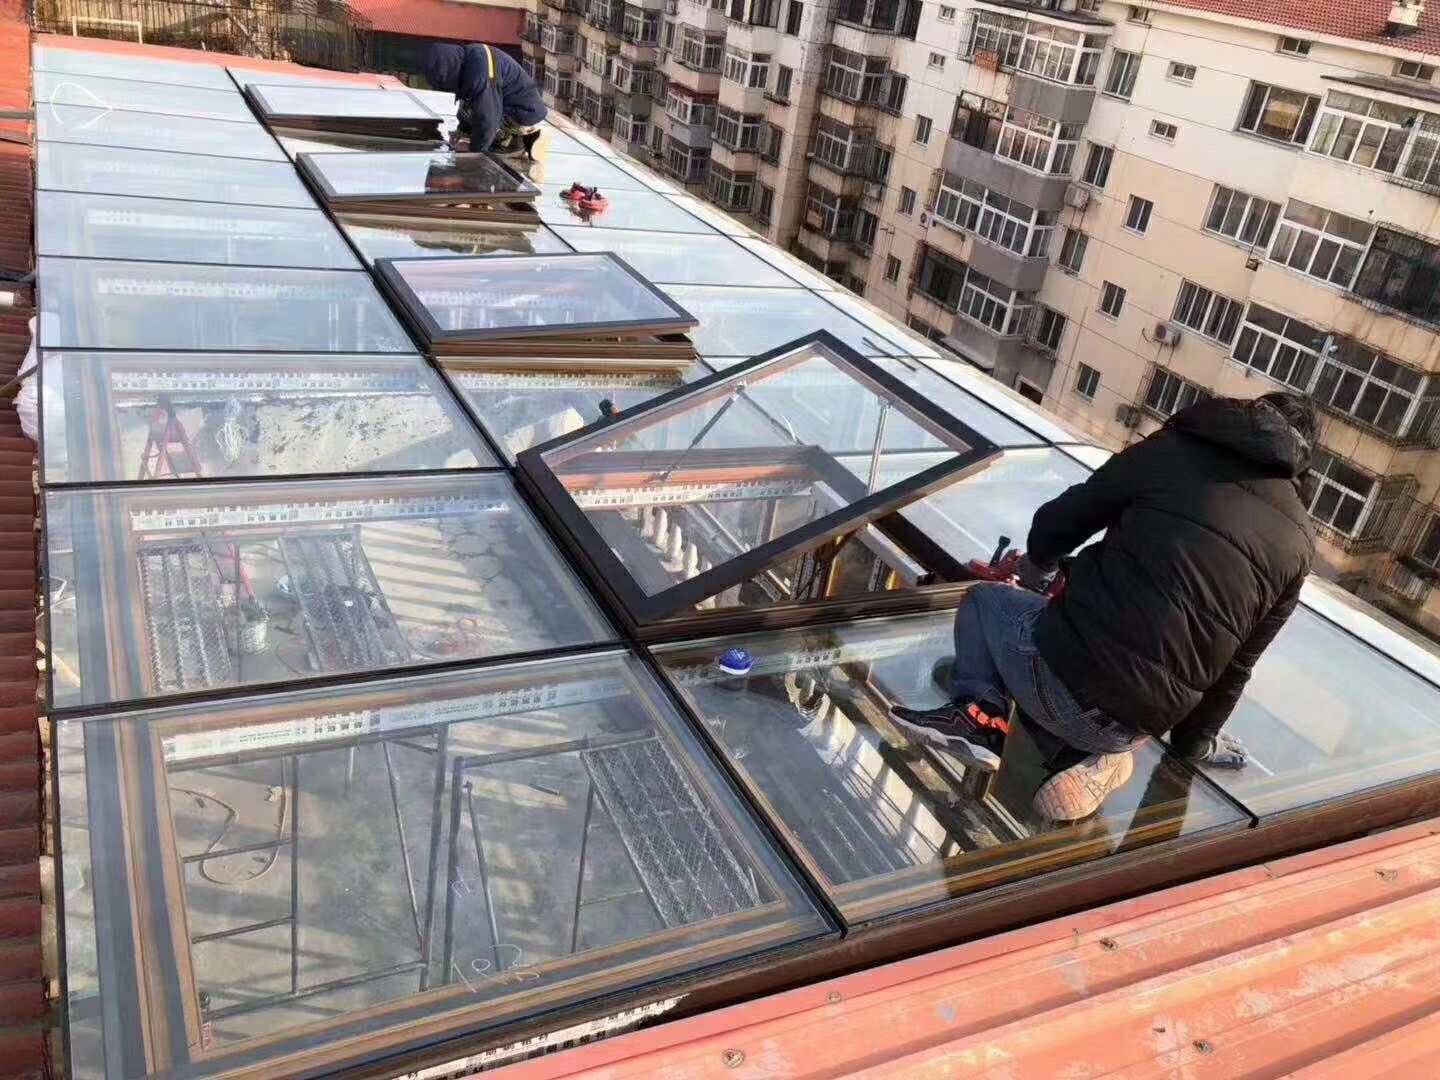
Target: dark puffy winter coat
{"points": [[490, 87], [1208, 544]]}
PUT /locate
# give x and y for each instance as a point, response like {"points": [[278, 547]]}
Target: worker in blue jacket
{"points": [[500, 107]]}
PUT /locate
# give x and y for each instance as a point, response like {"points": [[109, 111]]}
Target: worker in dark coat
{"points": [[496, 97], [1207, 541]]}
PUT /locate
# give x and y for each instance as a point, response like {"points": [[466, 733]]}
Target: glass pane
{"points": [[294, 101], [297, 141], [627, 210], [438, 176], [115, 171], [389, 237], [745, 462], [1092, 457], [511, 295], [267, 77], [1043, 424], [699, 260], [522, 406], [151, 131], [176, 416], [747, 322], [131, 66], [167, 230], [717, 219], [61, 89], [406, 860], [188, 588], [585, 168], [1402, 644], [882, 329], [97, 304], [886, 825], [788, 265], [1326, 714]]}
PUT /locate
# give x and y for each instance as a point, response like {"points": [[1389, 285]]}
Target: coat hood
{"points": [[442, 66], [1253, 430]]}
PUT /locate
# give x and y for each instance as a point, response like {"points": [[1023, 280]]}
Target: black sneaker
{"points": [[974, 733]]}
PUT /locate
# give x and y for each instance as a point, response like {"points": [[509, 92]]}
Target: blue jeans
{"points": [[995, 658]]}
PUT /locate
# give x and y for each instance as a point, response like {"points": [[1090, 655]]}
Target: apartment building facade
{"points": [[1115, 209]]}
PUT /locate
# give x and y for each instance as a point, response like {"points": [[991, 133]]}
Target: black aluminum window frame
{"points": [[522, 191]]}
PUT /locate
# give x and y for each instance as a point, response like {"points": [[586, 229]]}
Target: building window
{"points": [[1162, 129], [1049, 52], [1037, 142], [794, 13], [1410, 69], [773, 144], [1402, 273], [1208, 313], [1029, 391], [1112, 299], [1097, 165], [947, 14], [764, 203], [1168, 393], [1049, 329], [1002, 221], [1087, 382], [849, 151], [1139, 14], [1273, 112], [1247, 219], [893, 266], [687, 110], [701, 51], [1283, 348], [1422, 161], [738, 131], [1427, 550], [1341, 493], [1092, 6], [922, 129], [863, 79], [1072, 251], [1370, 387], [907, 201], [631, 129], [1137, 215], [994, 306], [734, 191], [866, 225], [936, 61], [1320, 243], [977, 121], [1367, 133], [783, 77], [1184, 73], [1294, 46], [1124, 66], [641, 27], [940, 278], [827, 214], [750, 70], [690, 163]]}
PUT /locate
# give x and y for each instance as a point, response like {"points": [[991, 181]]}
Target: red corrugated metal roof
{"points": [[1361, 20], [1327, 962], [439, 19]]}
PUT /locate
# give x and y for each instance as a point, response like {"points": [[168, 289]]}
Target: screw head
{"points": [[1203, 1046], [833, 997], [1109, 944], [733, 1059]]}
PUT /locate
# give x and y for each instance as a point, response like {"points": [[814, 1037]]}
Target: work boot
{"points": [[973, 732], [1077, 791]]}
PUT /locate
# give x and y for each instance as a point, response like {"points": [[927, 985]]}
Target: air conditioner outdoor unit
{"points": [[1130, 415], [924, 219], [1167, 333], [1077, 197]]}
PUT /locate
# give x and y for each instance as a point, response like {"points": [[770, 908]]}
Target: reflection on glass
{"points": [[521, 406], [698, 260], [175, 416], [747, 322], [787, 264], [67, 89], [548, 295], [297, 101], [465, 849], [190, 588], [900, 340], [167, 230], [717, 219], [990, 422], [117, 171], [1009, 402], [387, 237], [883, 824], [1326, 715], [98, 304], [296, 141], [626, 210], [435, 176], [130, 66], [243, 77], [1406, 646], [151, 131], [579, 168], [745, 462]]}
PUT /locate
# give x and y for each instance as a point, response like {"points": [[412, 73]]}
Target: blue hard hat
{"points": [[735, 662]]}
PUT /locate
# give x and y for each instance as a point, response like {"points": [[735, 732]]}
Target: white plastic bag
{"points": [[27, 400]]}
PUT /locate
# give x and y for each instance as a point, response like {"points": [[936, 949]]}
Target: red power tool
{"points": [[1004, 565]]}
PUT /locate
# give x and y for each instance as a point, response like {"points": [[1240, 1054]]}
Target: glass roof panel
{"points": [[102, 304], [627, 210], [279, 101], [62, 89], [563, 142], [1326, 714], [652, 180], [355, 869], [468, 299], [699, 260], [746, 322], [434, 177], [903, 341], [269, 77], [189, 588], [522, 404], [168, 230], [176, 416], [1403, 644], [116, 171], [1092, 456], [580, 168], [787, 264], [130, 66], [758, 458], [990, 422], [712, 215], [296, 141], [152, 131], [1008, 401], [887, 825], [390, 237]]}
